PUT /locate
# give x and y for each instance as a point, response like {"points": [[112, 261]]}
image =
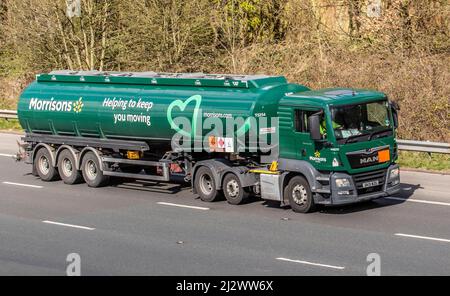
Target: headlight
{"points": [[394, 173], [342, 182]]}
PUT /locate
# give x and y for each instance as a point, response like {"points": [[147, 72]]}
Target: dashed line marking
{"points": [[68, 225], [182, 206], [311, 263], [23, 185], [424, 237], [439, 203]]}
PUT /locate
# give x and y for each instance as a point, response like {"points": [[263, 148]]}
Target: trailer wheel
{"points": [[43, 165], [205, 184], [233, 191], [67, 168], [300, 195], [92, 173]]}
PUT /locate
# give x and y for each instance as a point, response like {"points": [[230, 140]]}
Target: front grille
{"points": [[359, 179], [365, 158]]}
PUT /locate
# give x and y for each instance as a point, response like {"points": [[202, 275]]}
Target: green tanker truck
{"points": [[225, 135]]}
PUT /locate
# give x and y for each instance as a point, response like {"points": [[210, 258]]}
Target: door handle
{"points": [[303, 152]]}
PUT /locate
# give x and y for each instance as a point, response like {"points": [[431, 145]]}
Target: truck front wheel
{"points": [[233, 191], [92, 173], [205, 184], [300, 195], [67, 168], [43, 166]]}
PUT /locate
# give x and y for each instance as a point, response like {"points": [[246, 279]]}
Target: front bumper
{"points": [[355, 193]]}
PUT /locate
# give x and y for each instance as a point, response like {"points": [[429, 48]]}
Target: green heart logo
{"points": [[244, 128], [182, 106]]}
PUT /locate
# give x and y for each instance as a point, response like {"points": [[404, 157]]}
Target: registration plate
{"points": [[370, 184]]}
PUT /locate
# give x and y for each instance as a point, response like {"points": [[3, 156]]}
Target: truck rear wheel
{"points": [[92, 173], [205, 184], [67, 168], [233, 190], [43, 165], [300, 195]]}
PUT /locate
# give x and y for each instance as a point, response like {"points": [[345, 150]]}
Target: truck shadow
{"points": [[407, 190], [177, 185], [173, 187], [399, 198]]}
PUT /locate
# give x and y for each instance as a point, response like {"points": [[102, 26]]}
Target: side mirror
{"points": [[395, 117], [395, 108], [314, 127]]}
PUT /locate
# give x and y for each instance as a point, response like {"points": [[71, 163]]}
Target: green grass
{"points": [[425, 161], [10, 125]]}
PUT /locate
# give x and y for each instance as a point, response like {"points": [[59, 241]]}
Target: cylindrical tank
{"points": [[143, 105]]}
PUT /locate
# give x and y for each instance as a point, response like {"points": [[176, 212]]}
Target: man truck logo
{"points": [[366, 160], [56, 105]]}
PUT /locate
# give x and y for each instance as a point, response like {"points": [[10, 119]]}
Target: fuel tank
{"points": [[146, 105]]}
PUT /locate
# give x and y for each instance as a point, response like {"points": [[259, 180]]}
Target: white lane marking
{"points": [[6, 155], [311, 263], [420, 201], [182, 206], [424, 237], [68, 225], [23, 185]]}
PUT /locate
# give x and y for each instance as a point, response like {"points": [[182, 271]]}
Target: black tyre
{"points": [[300, 195], [205, 185], [233, 190], [43, 166], [67, 168], [92, 173]]}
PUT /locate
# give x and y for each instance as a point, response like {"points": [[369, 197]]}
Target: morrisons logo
{"points": [[56, 105]]}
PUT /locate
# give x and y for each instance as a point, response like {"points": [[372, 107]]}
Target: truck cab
{"points": [[341, 142]]}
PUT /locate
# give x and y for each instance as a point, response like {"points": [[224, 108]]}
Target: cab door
{"points": [[305, 147]]}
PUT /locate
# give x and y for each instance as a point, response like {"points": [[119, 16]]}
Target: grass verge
{"points": [[10, 125], [425, 161]]}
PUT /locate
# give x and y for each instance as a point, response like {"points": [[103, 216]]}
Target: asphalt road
{"points": [[141, 228]]}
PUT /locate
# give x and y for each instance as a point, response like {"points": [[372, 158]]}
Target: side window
{"points": [[306, 115], [301, 120], [299, 124]]}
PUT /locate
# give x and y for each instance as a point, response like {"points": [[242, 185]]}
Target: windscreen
{"points": [[360, 119]]}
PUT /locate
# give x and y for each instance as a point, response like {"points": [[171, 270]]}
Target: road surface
{"points": [[141, 228]]}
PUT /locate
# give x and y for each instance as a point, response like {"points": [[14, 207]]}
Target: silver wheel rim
{"points": [[91, 170], [67, 167], [232, 188], [206, 184], [44, 164], [299, 194]]}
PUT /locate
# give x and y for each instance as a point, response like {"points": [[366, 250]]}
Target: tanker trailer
{"points": [[231, 135]]}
